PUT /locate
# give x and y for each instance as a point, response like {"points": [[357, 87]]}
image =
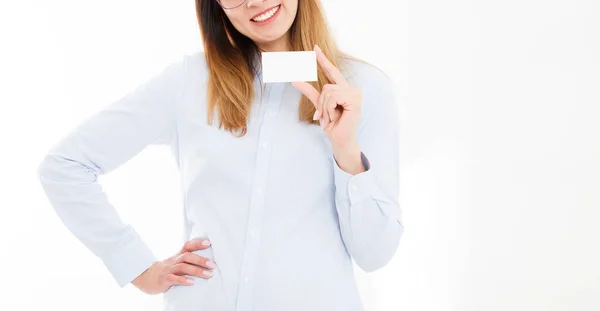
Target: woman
{"points": [[283, 204]]}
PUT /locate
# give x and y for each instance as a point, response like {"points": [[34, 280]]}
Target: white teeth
{"points": [[266, 15]]}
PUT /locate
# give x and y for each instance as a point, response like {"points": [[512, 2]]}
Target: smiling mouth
{"points": [[266, 15]]}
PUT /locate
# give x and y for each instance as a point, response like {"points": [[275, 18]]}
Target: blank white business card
{"points": [[289, 66]]}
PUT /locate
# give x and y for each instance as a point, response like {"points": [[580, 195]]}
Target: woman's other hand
{"points": [[161, 275]]}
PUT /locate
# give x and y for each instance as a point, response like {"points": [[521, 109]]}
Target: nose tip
{"points": [[250, 3]]}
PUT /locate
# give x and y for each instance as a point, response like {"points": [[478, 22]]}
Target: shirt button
{"points": [[353, 188], [265, 145], [259, 189], [246, 280], [252, 233]]}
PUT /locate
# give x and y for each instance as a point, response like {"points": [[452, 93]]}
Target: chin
{"points": [[267, 39], [267, 36]]}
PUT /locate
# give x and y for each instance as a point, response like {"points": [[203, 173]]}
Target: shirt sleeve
{"points": [[68, 173], [368, 203]]}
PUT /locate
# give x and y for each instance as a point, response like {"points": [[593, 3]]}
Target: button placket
{"points": [[257, 200]]}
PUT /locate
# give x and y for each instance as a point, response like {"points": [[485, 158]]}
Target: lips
{"points": [[264, 15]]}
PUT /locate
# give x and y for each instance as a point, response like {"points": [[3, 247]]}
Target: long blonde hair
{"points": [[230, 59]]}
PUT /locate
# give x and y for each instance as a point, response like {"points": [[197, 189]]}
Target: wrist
{"points": [[349, 147], [349, 159]]}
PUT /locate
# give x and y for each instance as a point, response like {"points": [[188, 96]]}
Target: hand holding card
{"points": [[337, 105]]}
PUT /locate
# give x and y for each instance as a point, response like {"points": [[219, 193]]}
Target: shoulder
{"points": [[194, 63], [195, 60], [181, 67], [363, 74], [187, 66], [377, 88]]}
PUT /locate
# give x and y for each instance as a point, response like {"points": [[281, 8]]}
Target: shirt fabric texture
{"points": [[284, 221]]}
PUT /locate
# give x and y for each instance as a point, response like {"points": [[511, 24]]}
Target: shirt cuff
{"points": [[354, 188], [130, 260]]}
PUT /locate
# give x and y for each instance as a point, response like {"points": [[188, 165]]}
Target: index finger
{"points": [[194, 245], [331, 71], [308, 91]]}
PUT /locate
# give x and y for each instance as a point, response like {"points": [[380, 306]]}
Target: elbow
{"points": [[43, 168], [379, 255], [58, 169], [48, 168]]}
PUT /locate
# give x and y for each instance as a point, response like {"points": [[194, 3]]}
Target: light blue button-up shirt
{"points": [[283, 219]]}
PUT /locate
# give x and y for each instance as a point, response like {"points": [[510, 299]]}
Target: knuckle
{"points": [[180, 258], [199, 259], [186, 268], [170, 278], [194, 270], [187, 257], [179, 267]]}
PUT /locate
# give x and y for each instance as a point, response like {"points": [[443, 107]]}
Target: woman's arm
{"points": [[100, 144], [368, 202]]}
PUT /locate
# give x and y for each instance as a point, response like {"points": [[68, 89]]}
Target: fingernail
{"points": [[189, 281], [317, 48], [206, 242], [315, 116], [207, 272], [322, 124], [210, 264]]}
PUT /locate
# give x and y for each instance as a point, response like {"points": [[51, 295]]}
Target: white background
{"points": [[500, 129]]}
